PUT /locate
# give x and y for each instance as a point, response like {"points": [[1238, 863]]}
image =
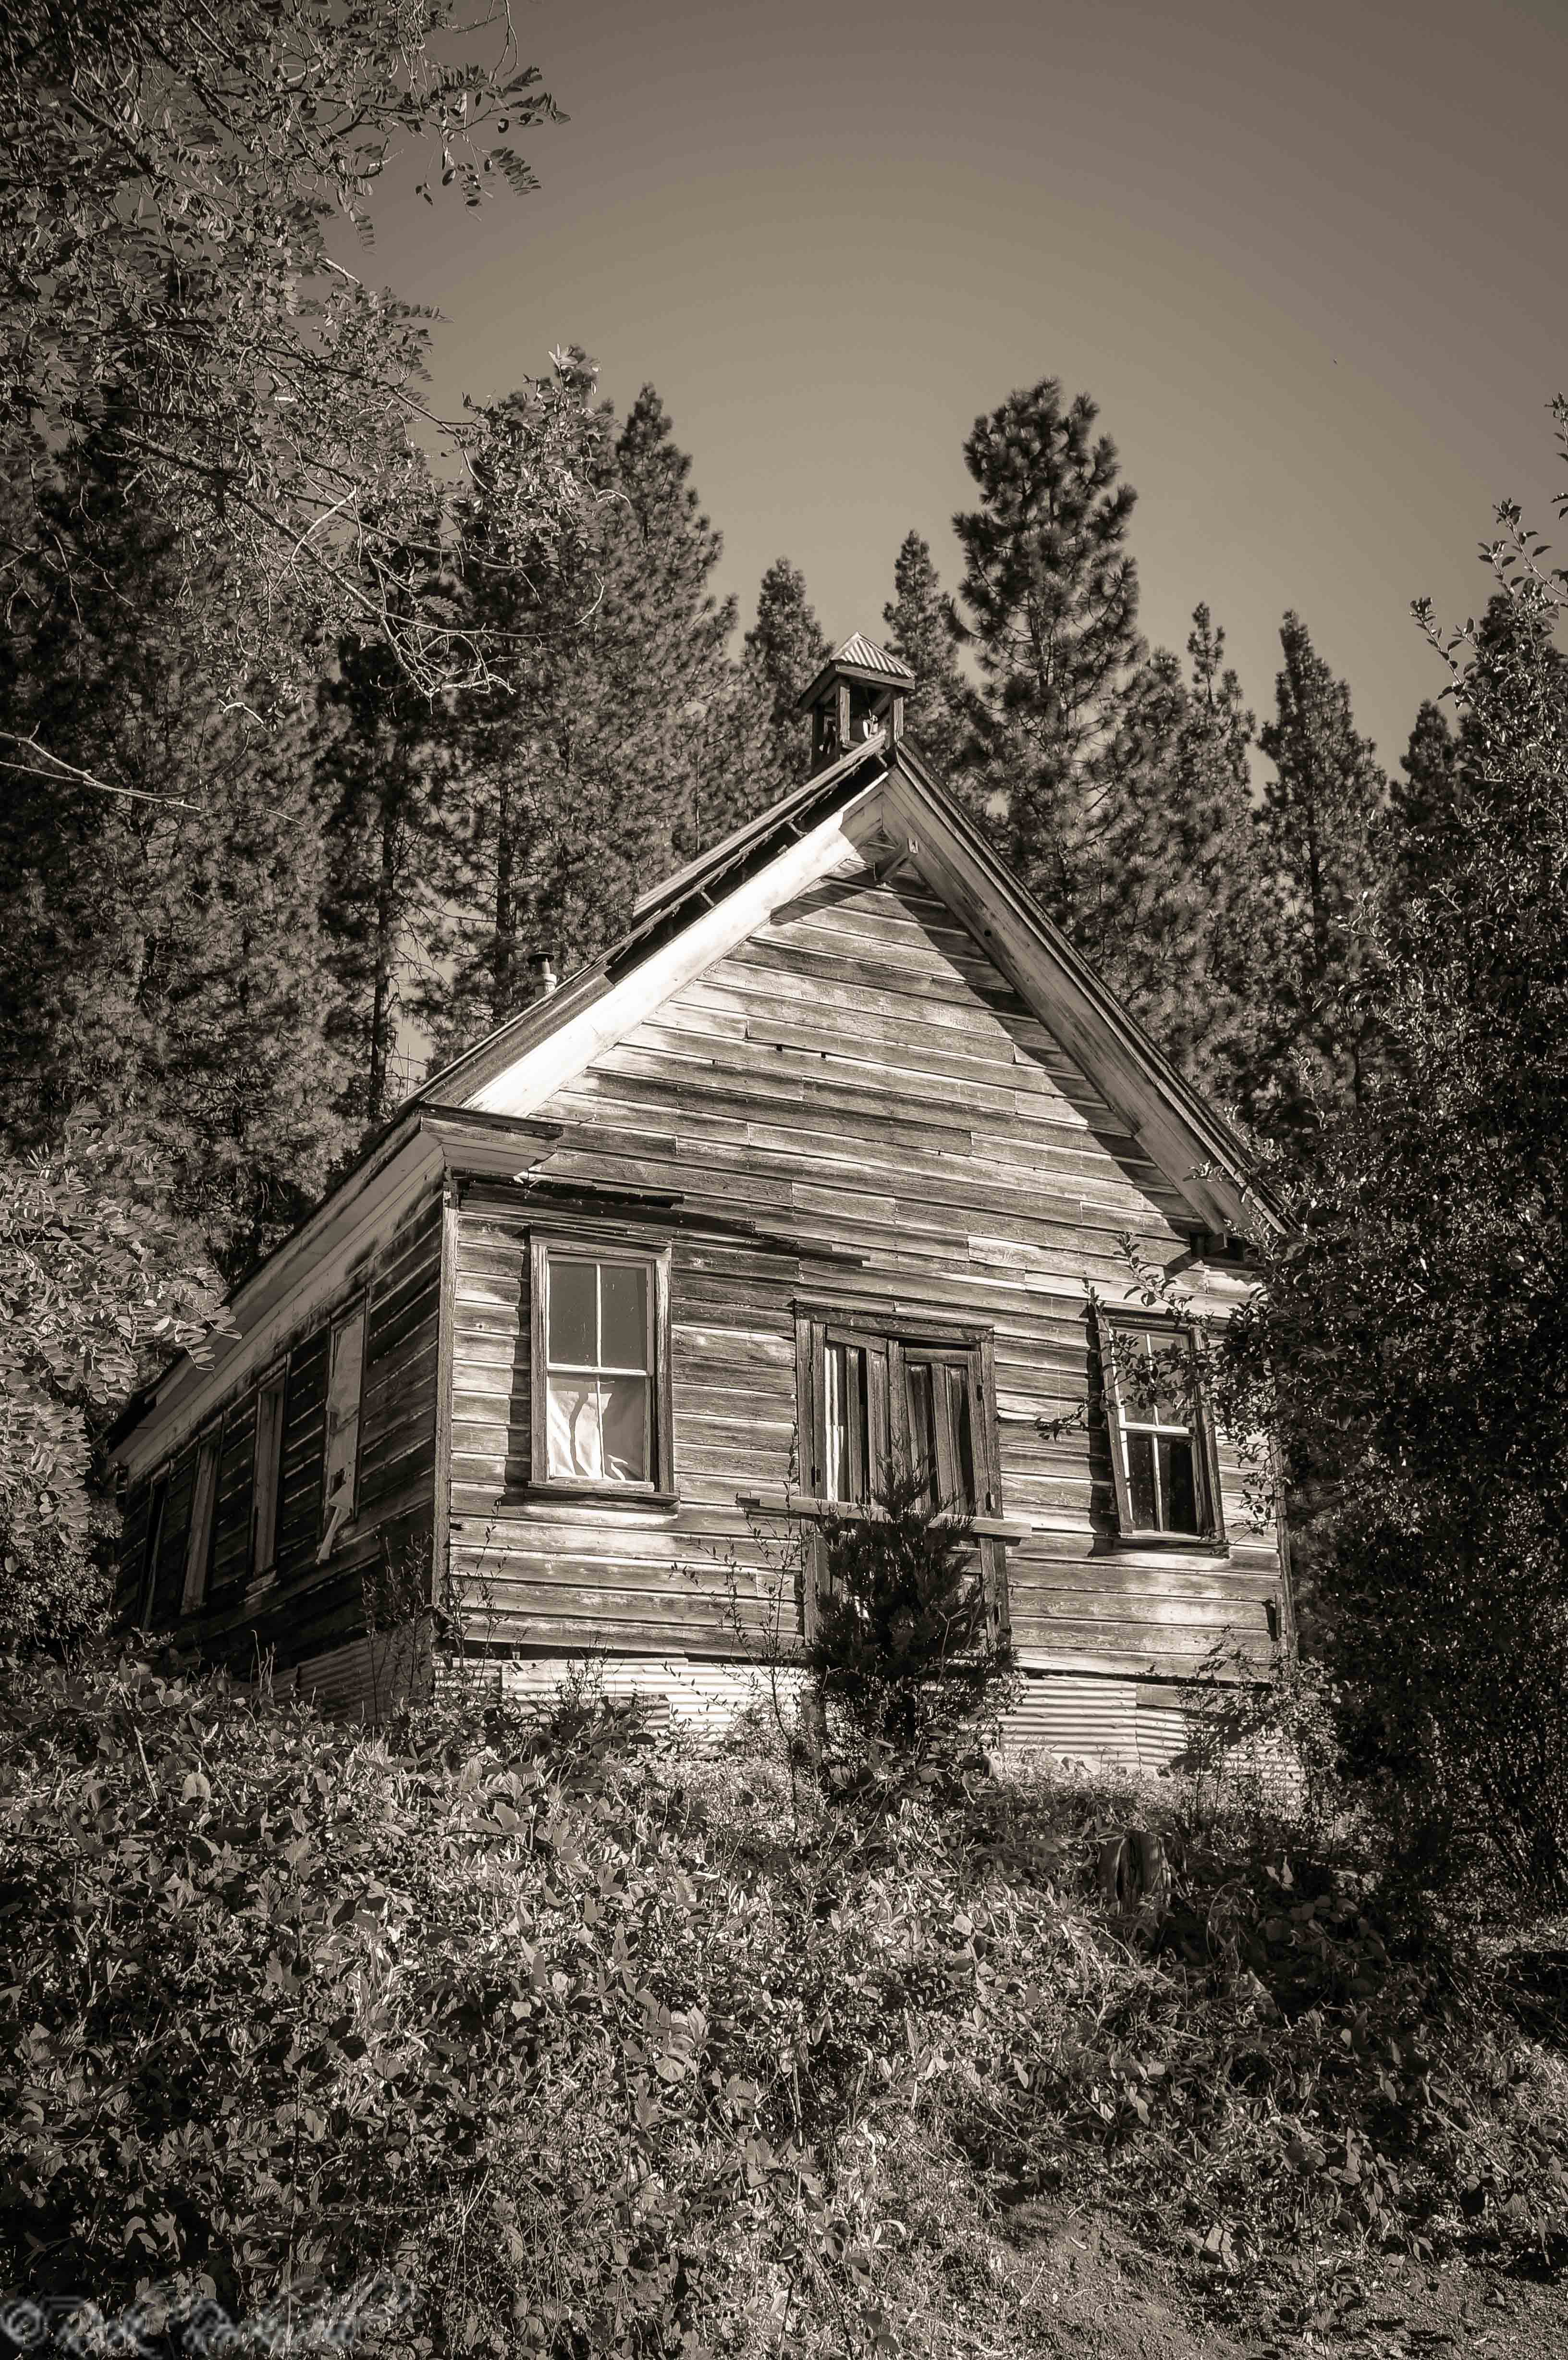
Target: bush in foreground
{"points": [[574, 2039]]}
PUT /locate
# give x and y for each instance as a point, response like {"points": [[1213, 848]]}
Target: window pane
{"points": [[572, 1314], [963, 1442], [1177, 1486], [922, 1428], [342, 1413], [847, 1472], [835, 1438], [622, 1296], [268, 1456], [1140, 1482], [198, 1544], [1171, 1376], [151, 1547], [624, 1424], [575, 1448]]}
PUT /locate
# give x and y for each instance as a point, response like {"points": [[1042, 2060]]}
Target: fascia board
{"points": [[191, 1390], [552, 1064]]}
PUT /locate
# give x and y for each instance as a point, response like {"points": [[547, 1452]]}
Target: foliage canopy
{"points": [[183, 191]]}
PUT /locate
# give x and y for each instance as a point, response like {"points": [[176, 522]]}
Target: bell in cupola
{"points": [[859, 690]]}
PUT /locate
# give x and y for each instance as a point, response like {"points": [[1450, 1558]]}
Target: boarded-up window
{"points": [[198, 1540], [345, 1385], [1164, 1459], [267, 1470], [600, 1366]]}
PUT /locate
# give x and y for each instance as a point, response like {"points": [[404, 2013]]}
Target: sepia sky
{"points": [[1306, 257]]}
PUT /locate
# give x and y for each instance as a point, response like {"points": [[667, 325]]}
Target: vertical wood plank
{"points": [[535, 1310], [446, 1318], [876, 1419], [664, 1380]]}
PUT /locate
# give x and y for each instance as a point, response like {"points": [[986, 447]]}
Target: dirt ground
{"points": [[1088, 2296]]}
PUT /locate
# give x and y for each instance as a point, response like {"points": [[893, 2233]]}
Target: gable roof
{"points": [[1187, 1138]]}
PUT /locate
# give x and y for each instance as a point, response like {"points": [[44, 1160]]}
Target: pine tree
{"points": [[924, 631], [784, 648], [381, 748], [1052, 597], [589, 770], [161, 954], [1423, 819], [1410, 1347], [1321, 821], [1185, 910]]}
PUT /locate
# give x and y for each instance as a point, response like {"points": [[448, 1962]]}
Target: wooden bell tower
{"points": [[859, 690]]}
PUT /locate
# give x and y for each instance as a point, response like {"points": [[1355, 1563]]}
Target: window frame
{"points": [[1210, 1535], [896, 1337], [588, 1241], [891, 1340], [159, 1484], [335, 1519], [201, 1534], [266, 1499]]}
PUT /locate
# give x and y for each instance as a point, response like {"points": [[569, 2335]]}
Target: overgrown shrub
{"points": [[905, 1647], [590, 2045]]}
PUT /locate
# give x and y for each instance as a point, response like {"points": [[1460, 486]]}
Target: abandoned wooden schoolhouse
{"points": [[819, 1170]]}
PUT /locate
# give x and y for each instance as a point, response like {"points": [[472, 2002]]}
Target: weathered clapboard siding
{"points": [[231, 1545], [304, 1457], [856, 1079], [312, 1613]]}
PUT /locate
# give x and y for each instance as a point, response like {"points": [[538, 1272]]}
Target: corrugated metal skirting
{"points": [[1123, 1725], [1111, 1724], [365, 1679]]}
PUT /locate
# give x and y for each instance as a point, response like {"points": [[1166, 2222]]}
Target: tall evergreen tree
{"points": [[1423, 817], [1410, 1348], [923, 629], [381, 749], [584, 775], [1320, 819], [784, 648], [1184, 909], [1051, 595], [161, 954]]}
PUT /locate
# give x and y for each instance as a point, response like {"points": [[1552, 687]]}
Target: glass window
{"points": [[848, 1470], [599, 1366], [146, 1588], [868, 1401], [1151, 1377]]}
